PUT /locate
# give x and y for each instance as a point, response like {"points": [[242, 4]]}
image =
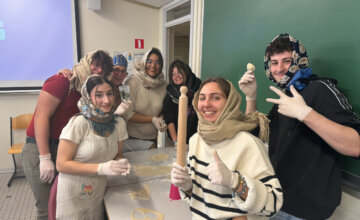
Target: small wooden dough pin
{"points": [[250, 66]]}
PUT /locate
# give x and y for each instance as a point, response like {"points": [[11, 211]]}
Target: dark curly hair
{"points": [[104, 60], [278, 46]]}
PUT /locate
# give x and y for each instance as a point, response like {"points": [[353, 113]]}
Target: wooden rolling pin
{"points": [[182, 124]]}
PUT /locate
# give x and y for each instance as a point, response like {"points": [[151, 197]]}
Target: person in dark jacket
{"points": [[311, 124], [180, 74]]}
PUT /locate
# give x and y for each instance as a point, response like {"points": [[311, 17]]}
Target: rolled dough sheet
{"points": [[143, 194], [146, 214], [146, 170], [159, 157]]}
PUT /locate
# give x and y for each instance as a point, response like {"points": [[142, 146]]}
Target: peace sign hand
{"points": [[293, 107]]}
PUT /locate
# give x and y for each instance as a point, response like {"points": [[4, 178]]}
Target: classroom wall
{"points": [[117, 25], [114, 27], [237, 31]]}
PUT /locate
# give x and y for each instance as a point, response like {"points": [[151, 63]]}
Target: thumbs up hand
{"points": [[219, 174]]}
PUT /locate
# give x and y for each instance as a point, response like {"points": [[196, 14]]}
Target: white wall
{"points": [[117, 25], [12, 105], [114, 27]]}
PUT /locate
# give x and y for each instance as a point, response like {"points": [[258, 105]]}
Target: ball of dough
{"points": [[250, 66]]}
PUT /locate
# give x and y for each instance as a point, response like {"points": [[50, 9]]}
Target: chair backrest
{"points": [[19, 122]]}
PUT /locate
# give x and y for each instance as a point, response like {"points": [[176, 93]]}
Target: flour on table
{"points": [[146, 170], [142, 194], [159, 157]]}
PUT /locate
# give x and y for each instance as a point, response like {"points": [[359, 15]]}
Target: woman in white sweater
{"points": [[89, 150], [228, 172], [147, 91]]}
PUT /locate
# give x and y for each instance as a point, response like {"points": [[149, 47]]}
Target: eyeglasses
{"points": [[157, 62], [116, 70]]}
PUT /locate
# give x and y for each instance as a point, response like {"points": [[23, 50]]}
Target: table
{"points": [[118, 203]]}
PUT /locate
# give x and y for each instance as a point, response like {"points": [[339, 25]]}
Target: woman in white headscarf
{"points": [[147, 91]]}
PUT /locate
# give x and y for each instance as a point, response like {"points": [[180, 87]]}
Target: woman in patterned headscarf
{"points": [[55, 106], [312, 123], [89, 150]]}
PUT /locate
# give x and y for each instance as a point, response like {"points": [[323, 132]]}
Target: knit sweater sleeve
{"points": [[245, 154], [265, 193]]}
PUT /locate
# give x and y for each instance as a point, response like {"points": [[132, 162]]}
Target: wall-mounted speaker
{"points": [[94, 5]]}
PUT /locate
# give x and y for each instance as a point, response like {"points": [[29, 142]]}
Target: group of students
{"points": [[80, 124]]}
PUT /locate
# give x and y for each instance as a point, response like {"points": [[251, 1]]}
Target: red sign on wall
{"points": [[139, 43]]}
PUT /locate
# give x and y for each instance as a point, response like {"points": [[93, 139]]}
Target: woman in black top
{"points": [[180, 74]]}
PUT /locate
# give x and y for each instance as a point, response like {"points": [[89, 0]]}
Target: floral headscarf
{"points": [[299, 68], [102, 122]]}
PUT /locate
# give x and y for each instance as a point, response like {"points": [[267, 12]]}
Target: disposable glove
{"points": [[219, 174], [180, 177], [114, 167], [248, 85], [159, 123], [125, 104], [47, 168], [293, 107]]}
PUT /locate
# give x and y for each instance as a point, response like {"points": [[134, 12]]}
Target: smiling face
{"points": [[118, 75], [96, 68], [280, 64], [153, 65], [211, 101], [102, 97], [177, 76]]}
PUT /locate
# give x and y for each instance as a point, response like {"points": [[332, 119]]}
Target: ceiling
{"points": [[155, 3]]}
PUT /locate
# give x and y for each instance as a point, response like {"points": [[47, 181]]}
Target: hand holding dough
{"points": [[250, 66], [247, 83]]}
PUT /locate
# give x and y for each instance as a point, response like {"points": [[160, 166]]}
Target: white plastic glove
{"points": [[293, 107], [114, 167], [219, 174], [47, 168], [180, 177], [124, 105], [159, 123], [248, 85]]}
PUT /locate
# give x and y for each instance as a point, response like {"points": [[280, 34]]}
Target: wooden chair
{"points": [[17, 123]]}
